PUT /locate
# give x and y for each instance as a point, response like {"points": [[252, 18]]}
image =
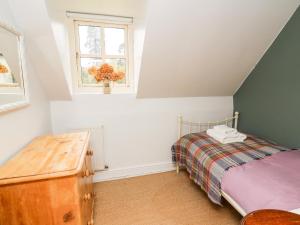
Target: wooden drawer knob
{"points": [[89, 152], [91, 222], [86, 173], [87, 196]]}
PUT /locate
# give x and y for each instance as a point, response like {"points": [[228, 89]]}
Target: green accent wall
{"points": [[269, 99]]}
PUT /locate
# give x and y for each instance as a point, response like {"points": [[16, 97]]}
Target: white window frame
{"points": [[128, 56]]}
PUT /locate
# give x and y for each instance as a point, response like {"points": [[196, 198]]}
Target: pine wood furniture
{"points": [[49, 183], [271, 217]]}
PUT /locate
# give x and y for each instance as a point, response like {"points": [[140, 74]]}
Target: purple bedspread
{"points": [[272, 182]]}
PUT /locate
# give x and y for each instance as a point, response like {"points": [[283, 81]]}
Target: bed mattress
{"points": [[269, 183], [207, 160]]}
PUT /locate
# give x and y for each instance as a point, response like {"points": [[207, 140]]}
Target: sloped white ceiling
{"points": [[32, 17], [206, 47]]}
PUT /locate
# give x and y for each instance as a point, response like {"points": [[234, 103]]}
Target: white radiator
{"points": [[96, 144]]}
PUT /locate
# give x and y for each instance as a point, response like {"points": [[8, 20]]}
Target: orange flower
{"points": [[92, 70], [3, 69], [106, 68], [117, 76], [105, 72]]}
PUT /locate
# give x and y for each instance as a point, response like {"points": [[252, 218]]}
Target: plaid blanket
{"points": [[207, 160]]}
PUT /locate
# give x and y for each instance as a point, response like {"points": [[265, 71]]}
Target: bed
{"points": [[252, 175]]}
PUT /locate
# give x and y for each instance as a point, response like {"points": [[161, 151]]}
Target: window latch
{"points": [[77, 60]]}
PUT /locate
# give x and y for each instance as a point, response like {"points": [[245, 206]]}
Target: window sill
{"points": [[99, 91]]}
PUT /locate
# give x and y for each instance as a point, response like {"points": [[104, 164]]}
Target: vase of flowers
{"points": [[3, 69], [5, 75], [105, 74]]}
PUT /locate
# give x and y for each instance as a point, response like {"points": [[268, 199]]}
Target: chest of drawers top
{"points": [[47, 157]]}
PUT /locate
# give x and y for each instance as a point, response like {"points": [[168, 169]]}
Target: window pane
{"points": [[114, 41], [89, 38], [119, 65], [87, 63]]}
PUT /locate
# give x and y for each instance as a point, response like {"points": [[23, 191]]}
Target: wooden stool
{"points": [[271, 217]]}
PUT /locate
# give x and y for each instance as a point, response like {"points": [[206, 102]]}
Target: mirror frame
{"points": [[23, 75]]}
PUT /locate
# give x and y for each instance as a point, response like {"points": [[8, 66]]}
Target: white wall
{"points": [[138, 133], [18, 127]]}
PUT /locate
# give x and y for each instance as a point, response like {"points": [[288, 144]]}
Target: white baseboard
{"points": [[133, 171]]}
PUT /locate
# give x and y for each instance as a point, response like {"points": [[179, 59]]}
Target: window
{"points": [[99, 43]]}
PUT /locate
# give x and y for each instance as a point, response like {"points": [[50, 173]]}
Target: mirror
{"points": [[13, 93]]}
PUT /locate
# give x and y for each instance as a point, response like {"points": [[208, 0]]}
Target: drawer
{"points": [[46, 202]]}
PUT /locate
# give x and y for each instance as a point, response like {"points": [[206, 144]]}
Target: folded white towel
{"points": [[231, 140], [226, 140], [223, 134], [224, 129], [236, 135]]}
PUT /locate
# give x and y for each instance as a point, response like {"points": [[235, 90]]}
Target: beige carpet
{"points": [[160, 199]]}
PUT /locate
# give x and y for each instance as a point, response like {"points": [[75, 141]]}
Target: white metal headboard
{"points": [[198, 127]]}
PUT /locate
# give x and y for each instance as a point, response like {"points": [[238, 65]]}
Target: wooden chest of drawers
{"points": [[49, 183]]}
